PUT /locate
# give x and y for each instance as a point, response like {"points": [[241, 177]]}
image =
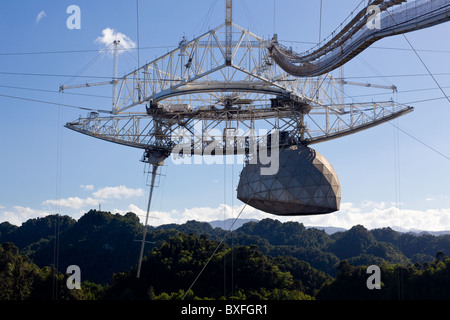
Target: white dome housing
{"points": [[305, 184]]}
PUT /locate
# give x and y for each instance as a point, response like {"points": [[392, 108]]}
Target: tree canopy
{"points": [[260, 260]]}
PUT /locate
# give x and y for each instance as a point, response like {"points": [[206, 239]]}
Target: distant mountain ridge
{"points": [[328, 230], [102, 243], [421, 232], [226, 224]]}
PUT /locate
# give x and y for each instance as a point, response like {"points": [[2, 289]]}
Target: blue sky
{"points": [[45, 168]]}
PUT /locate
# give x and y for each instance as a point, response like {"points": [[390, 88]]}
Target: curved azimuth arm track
{"points": [[379, 20]]}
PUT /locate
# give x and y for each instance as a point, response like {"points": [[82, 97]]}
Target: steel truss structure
{"points": [[230, 91], [225, 82]]}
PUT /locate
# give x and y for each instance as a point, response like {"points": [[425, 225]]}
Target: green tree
{"points": [[17, 274], [353, 242]]}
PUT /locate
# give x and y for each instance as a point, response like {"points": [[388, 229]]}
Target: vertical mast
{"points": [[114, 98], [229, 31], [141, 254], [156, 159]]}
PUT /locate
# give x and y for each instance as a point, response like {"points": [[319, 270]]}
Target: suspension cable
{"points": [[214, 252]]}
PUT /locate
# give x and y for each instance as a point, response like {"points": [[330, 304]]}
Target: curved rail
{"points": [[358, 35]]}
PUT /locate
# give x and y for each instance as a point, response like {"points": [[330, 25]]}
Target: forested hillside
{"points": [[261, 260]]}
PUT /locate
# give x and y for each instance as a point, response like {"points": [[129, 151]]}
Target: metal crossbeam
{"points": [[219, 83]]}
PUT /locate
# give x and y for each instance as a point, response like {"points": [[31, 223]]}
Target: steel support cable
{"points": [[431, 74], [101, 53], [86, 76], [426, 144], [77, 51], [232, 238], [54, 91], [397, 187], [137, 33], [224, 221], [52, 75], [421, 60], [424, 100], [403, 92], [172, 80], [320, 21], [250, 19], [54, 103], [214, 252], [207, 17], [217, 247], [274, 15], [377, 72], [56, 244]]}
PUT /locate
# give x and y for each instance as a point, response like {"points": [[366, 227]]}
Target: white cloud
{"points": [[40, 16], [110, 35], [370, 214], [20, 214], [378, 215], [72, 202], [88, 187], [117, 193], [435, 197], [98, 197], [221, 212]]}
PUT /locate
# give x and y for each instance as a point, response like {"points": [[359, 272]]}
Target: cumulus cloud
{"points": [[71, 202], [88, 187], [380, 215], [436, 197], [18, 214], [206, 214], [370, 214], [99, 196], [119, 192], [110, 35], [40, 16]]}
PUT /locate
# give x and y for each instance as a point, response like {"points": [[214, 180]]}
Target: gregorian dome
{"points": [[305, 184]]}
